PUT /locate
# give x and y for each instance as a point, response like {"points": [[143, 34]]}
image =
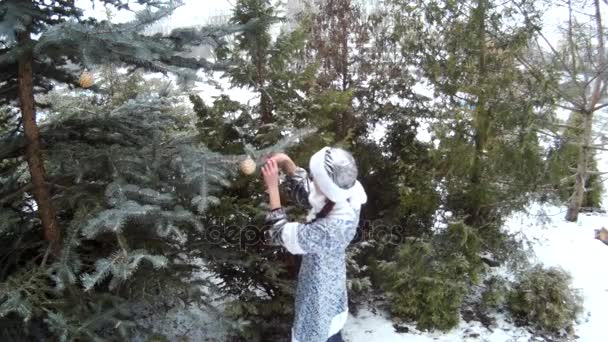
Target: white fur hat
{"points": [[335, 172]]}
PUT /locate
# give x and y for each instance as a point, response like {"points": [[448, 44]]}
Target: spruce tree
{"points": [[259, 278], [336, 30], [127, 176], [254, 45], [63, 40]]}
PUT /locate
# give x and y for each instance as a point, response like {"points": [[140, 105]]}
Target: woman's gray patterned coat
{"points": [[321, 305]]}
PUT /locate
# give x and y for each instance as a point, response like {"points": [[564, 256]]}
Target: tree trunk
{"points": [[33, 155], [265, 108], [578, 196], [343, 25], [598, 90], [265, 100]]}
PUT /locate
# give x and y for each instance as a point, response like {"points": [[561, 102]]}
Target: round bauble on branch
{"points": [[247, 166], [86, 79]]}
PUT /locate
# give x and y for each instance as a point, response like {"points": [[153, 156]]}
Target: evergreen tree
{"points": [[252, 52], [273, 68], [62, 41], [336, 31], [259, 279], [469, 56], [485, 160], [365, 70], [123, 167]]}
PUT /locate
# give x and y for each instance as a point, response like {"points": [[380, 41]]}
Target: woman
{"points": [[334, 197]]}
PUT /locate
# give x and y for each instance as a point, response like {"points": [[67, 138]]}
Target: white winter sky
{"points": [[192, 13], [195, 12]]}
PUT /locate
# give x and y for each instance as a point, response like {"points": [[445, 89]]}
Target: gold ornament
{"points": [[247, 166], [602, 235], [86, 79]]}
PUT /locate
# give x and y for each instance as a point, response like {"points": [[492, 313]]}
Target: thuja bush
{"points": [[422, 288], [428, 280], [544, 298]]}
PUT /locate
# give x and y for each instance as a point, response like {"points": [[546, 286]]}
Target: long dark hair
{"points": [[329, 205]]}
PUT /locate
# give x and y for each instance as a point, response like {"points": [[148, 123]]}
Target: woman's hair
{"points": [[327, 208]]}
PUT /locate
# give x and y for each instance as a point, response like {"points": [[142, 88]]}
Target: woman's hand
{"points": [[280, 158], [270, 171], [284, 162]]}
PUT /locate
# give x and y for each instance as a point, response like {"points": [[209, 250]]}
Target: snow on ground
{"points": [[370, 327], [557, 243]]}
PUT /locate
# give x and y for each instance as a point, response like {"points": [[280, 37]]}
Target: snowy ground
{"points": [[557, 243]]}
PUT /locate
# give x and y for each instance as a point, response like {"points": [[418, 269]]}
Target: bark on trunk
{"points": [[265, 100], [345, 119], [265, 108], [578, 196], [33, 155], [598, 91]]}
